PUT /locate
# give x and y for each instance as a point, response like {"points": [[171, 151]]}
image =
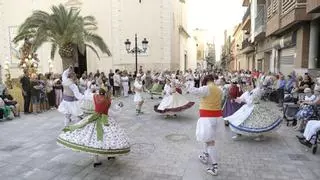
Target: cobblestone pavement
{"points": [[161, 149]]}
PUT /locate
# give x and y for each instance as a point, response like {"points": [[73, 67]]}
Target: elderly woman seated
{"points": [[306, 107], [10, 102]]}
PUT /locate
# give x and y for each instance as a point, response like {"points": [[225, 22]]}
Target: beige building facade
{"points": [[281, 35], [162, 22]]}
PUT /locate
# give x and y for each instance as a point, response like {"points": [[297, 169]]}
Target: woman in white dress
{"points": [[254, 118], [125, 83], [138, 97], [173, 102]]}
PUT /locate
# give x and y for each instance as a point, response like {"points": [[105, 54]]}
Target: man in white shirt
{"points": [[189, 78], [116, 83]]}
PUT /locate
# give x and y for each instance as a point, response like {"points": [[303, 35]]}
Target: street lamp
{"points": [[136, 50]]}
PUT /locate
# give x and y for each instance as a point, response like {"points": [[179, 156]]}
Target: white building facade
{"points": [[162, 22]]}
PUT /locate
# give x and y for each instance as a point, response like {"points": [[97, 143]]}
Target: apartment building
{"points": [[239, 58], [281, 35]]}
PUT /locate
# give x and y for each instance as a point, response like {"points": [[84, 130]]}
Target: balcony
{"points": [[273, 17], [246, 20], [247, 47], [290, 13], [293, 12], [313, 6], [260, 23]]}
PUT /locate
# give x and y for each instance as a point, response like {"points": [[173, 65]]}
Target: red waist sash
{"points": [[210, 113]]}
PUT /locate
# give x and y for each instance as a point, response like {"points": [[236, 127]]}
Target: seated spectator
{"points": [[10, 102], [306, 107], [290, 83], [280, 89], [309, 135], [5, 111], [305, 83]]}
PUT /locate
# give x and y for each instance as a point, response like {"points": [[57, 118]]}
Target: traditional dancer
{"points": [[210, 113], [255, 118], [125, 83], [69, 105], [86, 104], [97, 134], [156, 88], [231, 106], [189, 77], [173, 102], [138, 97]]}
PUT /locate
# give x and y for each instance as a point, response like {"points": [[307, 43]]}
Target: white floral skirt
{"points": [[72, 108], [87, 106], [262, 120], [115, 141], [173, 104]]}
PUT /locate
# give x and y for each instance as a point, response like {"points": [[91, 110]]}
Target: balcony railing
{"points": [[246, 15], [288, 5], [272, 8], [260, 19]]}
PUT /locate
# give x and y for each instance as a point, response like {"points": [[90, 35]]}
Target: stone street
{"points": [[162, 149]]}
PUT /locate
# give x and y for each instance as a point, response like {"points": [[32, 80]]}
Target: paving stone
{"points": [[38, 174], [161, 149]]}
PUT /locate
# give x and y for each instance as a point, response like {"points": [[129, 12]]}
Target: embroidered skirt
{"points": [[173, 104], [115, 141]]}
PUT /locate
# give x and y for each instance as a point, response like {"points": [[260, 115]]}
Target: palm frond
{"points": [[23, 35], [93, 49], [62, 27], [97, 41]]}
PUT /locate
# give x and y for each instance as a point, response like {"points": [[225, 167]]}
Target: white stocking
{"points": [[67, 119], [212, 154], [205, 148], [96, 159]]}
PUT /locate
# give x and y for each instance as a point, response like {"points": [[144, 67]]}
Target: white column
{"points": [[313, 44]]}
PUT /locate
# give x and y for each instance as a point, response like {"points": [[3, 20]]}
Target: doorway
{"points": [[82, 64]]}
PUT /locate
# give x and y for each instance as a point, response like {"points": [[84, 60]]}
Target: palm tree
{"points": [[65, 29]]}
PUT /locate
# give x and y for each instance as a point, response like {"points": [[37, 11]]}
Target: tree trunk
{"points": [[67, 62]]}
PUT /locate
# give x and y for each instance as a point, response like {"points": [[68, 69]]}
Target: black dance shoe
{"points": [[111, 158], [97, 164]]}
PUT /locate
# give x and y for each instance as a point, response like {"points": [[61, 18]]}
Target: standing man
{"points": [[26, 91], [116, 83], [210, 114], [111, 82]]}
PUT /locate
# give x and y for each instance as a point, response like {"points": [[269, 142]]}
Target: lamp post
{"points": [[136, 50]]}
